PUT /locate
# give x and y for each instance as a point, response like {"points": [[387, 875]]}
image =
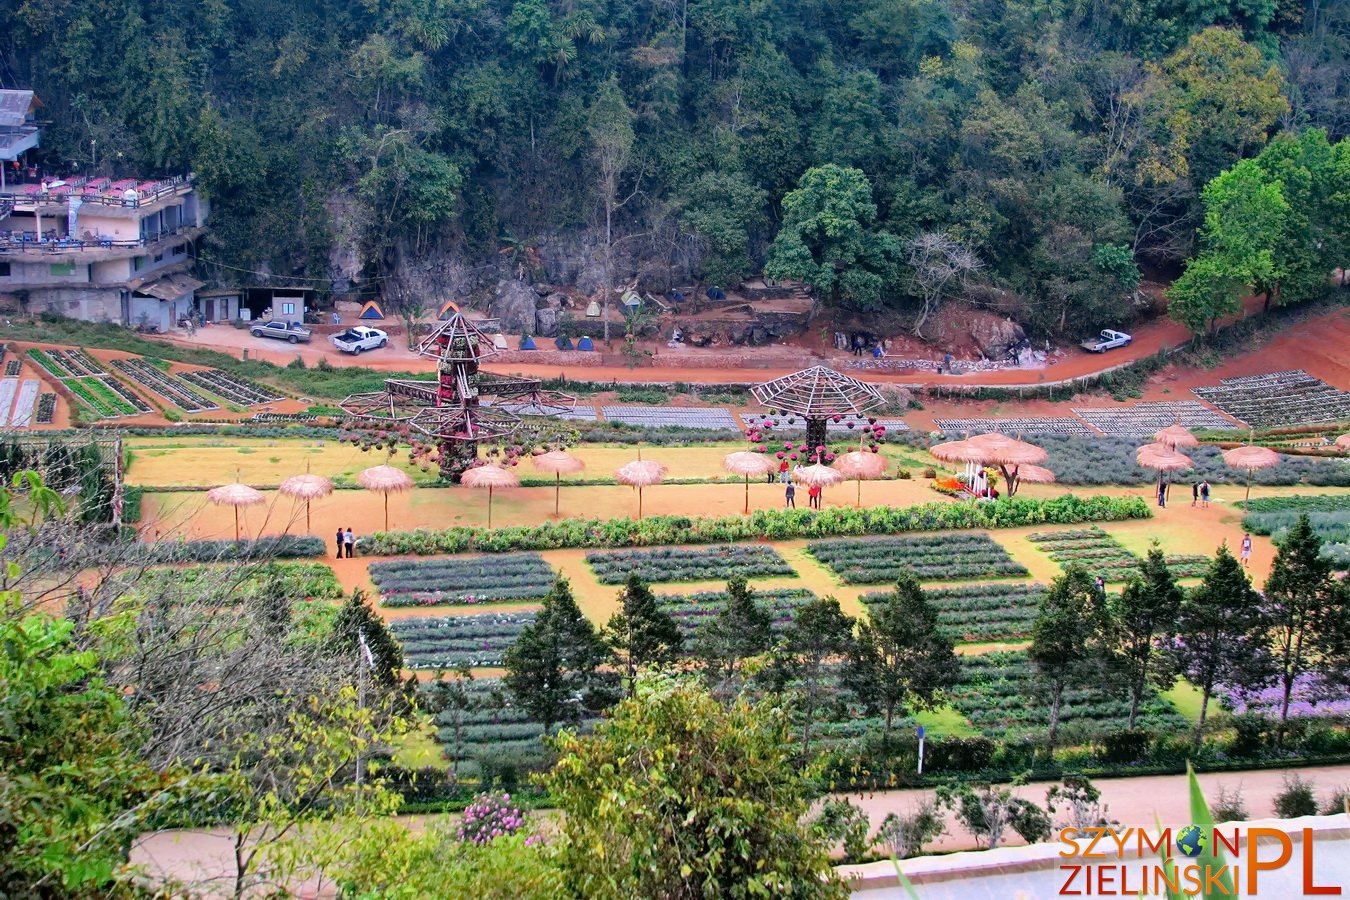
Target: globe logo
{"points": [[1191, 841]]}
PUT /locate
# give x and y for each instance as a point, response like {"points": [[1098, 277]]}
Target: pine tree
{"points": [[1221, 631], [902, 660], [820, 635], [1069, 640], [741, 630], [641, 634], [1307, 627], [551, 667], [357, 618], [1144, 615]]}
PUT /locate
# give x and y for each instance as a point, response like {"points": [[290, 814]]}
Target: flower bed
{"points": [[684, 564], [46, 409], [998, 695], [451, 641], [762, 524], [167, 386], [1311, 696], [932, 558], [12, 368], [1076, 460], [1103, 555], [692, 610], [491, 724], [520, 577], [231, 387], [982, 612]]}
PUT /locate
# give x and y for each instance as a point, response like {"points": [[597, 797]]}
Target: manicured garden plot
{"points": [[672, 416], [982, 612], [1103, 555], [998, 695], [1329, 515], [12, 368], [1029, 425], [101, 393], [692, 610], [231, 387], [46, 409], [931, 558], [451, 641], [519, 577], [1278, 399], [314, 581], [167, 386], [578, 413], [667, 564], [1143, 419], [491, 723]]}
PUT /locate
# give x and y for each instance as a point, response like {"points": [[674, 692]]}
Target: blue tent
{"points": [[527, 342], [563, 343], [585, 344]]}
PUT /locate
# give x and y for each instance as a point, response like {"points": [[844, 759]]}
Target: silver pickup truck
{"points": [[282, 331], [1107, 340]]}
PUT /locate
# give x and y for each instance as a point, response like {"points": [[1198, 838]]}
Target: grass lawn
{"points": [[1186, 698], [945, 721]]}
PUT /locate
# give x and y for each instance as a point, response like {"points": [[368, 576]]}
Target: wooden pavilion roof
{"points": [[818, 392]]}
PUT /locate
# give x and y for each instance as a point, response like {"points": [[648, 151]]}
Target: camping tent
{"points": [[371, 311], [593, 310], [585, 344], [527, 342], [499, 342], [631, 299], [448, 309]]}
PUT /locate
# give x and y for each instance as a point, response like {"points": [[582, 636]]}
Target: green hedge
{"points": [[763, 524], [234, 551]]}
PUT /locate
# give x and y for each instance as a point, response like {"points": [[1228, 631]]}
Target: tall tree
{"points": [[641, 633], [902, 659], [1144, 615], [739, 631], [551, 667], [1069, 640], [940, 265], [830, 240], [1221, 632], [1309, 630], [609, 126], [357, 621], [806, 660]]}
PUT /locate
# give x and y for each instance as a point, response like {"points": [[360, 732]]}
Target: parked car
{"points": [[359, 338], [1107, 340], [282, 331]]}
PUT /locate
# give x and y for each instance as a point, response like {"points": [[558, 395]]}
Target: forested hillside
{"points": [[1049, 146]]}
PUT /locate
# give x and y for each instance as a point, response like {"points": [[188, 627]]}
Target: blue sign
{"points": [[920, 732]]}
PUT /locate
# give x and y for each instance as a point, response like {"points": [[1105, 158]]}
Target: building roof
{"points": [[14, 107], [169, 287]]}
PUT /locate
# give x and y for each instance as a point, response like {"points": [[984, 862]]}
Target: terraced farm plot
{"points": [[447, 642], [487, 721], [998, 695], [510, 577], [692, 610], [1103, 555], [982, 612], [104, 395], [668, 564], [947, 557], [232, 387], [170, 387]]}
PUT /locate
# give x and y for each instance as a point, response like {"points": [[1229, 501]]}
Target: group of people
{"points": [[346, 541], [812, 495], [1199, 493]]}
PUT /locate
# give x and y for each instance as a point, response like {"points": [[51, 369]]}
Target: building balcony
{"points": [[27, 245], [107, 197]]}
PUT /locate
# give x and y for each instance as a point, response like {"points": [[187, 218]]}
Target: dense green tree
{"points": [[902, 661], [723, 208], [641, 634], [678, 795], [551, 667], [1070, 641], [739, 631], [356, 621], [1144, 617], [1221, 630], [808, 658]]}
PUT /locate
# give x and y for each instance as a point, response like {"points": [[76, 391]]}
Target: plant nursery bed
{"points": [[447, 642], [977, 613], [668, 564], [510, 577], [692, 610], [931, 558], [1103, 555]]}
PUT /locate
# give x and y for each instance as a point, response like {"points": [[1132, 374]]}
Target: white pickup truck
{"points": [[1107, 340], [354, 340]]}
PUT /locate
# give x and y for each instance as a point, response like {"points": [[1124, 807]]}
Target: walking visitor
{"points": [[1162, 495], [791, 495], [813, 496], [1246, 553], [1195, 492]]}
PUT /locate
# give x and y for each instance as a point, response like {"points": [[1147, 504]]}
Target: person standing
{"points": [[1195, 493], [1204, 493], [783, 472], [1162, 495], [1246, 552], [1101, 587], [341, 541], [813, 495], [791, 495], [349, 541]]}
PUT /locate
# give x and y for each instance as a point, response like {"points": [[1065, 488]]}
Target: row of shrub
{"points": [[450, 641], [277, 547], [759, 525], [691, 610], [1101, 554], [982, 612], [669, 564], [950, 557], [510, 577]]}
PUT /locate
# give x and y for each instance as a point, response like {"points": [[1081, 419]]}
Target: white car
{"points": [[359, 338], [1107, 340]]}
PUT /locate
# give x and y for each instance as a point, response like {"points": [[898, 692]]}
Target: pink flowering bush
{"points": [[488, 817]]}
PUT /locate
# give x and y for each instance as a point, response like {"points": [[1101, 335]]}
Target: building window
{"points": [[63, 268], [4, 270], [180, 250], [288, 309], [159, 257], [137, 263]]}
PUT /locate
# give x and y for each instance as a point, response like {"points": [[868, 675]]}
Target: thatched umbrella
{"points": [[861, 465], [1035, 475], [307, 487], [1009, 454], [559, 462], [1251, 458], [743, 462], [1176, 435], [490, 476], [817, 475], [1163, 459], [235, 495], [640, 473], [1343, 442], [386, 480]]}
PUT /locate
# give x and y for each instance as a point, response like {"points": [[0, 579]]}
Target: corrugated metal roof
{"points": [[14, 106], [170, 287]]}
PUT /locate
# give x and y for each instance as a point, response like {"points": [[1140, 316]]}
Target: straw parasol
{"points": [[307, 487], [560, 463], [743, 462], [1251, 458], [640, 473], [1009, 454], [1176, 435], [386, 480], [235, 495], [490, 476], [1035, 475], [1343, 442], [817, 476], [861, 465], [1163, 459]]}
